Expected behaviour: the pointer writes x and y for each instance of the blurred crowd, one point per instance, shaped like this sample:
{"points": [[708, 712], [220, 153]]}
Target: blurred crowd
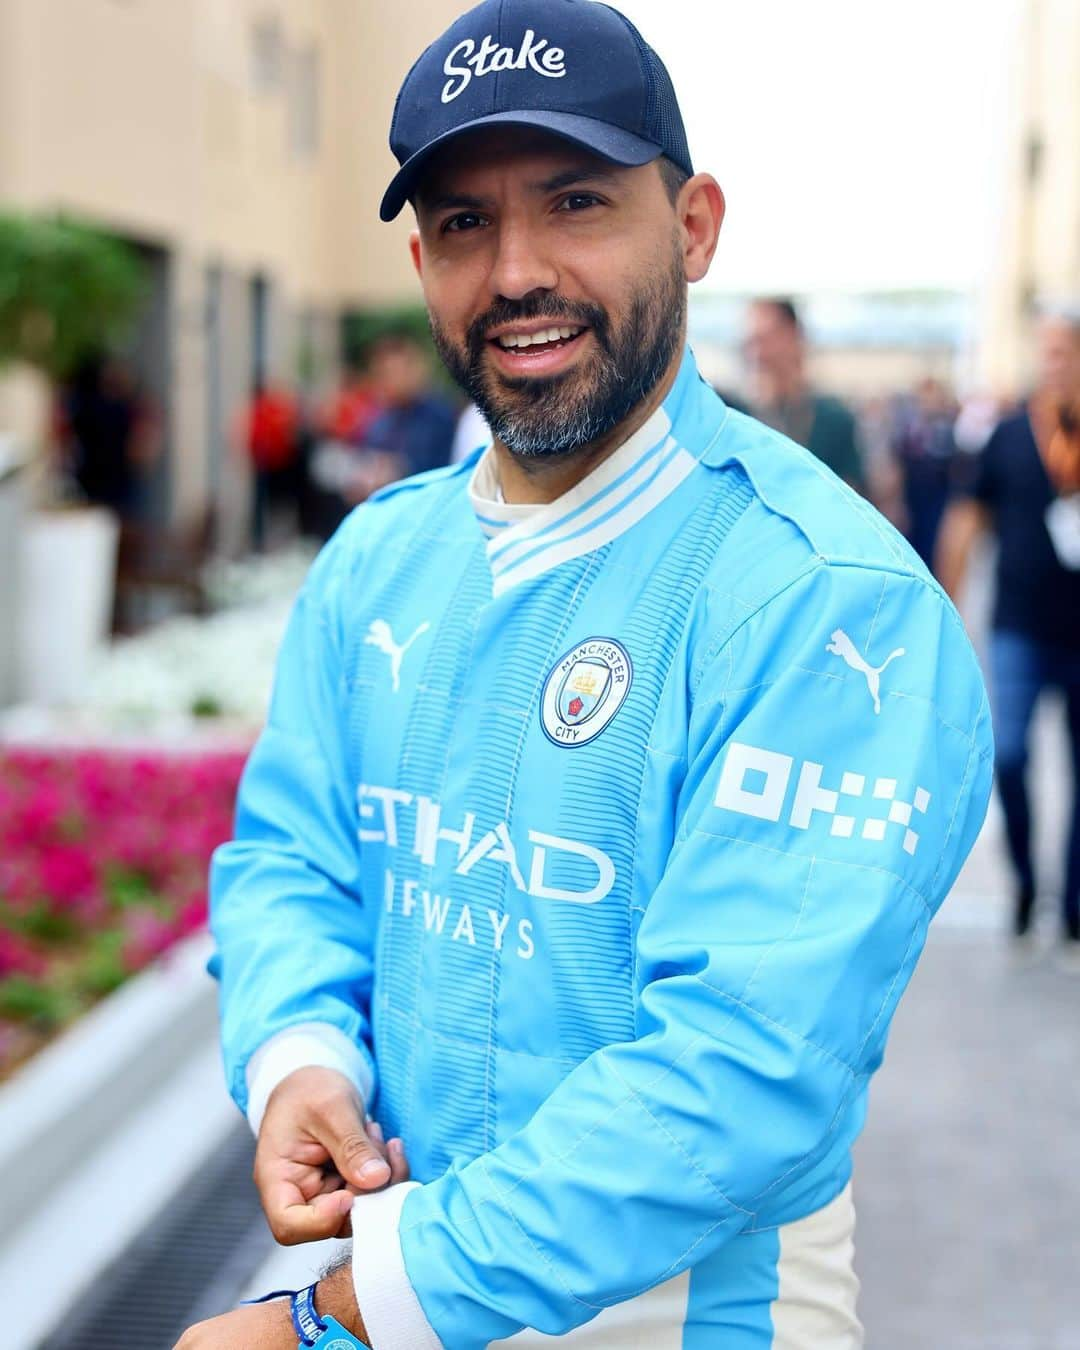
{"points": [[911, 454], [945, 473], [943, 470], [388, 419]]}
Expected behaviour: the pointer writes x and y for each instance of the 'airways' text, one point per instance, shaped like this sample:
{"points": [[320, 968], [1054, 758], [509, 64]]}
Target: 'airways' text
{"points": [[453, 921]]}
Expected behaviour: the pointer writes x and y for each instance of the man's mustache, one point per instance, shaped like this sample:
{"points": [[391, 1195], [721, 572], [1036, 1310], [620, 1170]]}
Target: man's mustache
{"points": [[553, 307]]}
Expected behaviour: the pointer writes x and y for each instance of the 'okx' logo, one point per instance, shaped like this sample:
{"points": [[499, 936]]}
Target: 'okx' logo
{"points": [[754, 782]]}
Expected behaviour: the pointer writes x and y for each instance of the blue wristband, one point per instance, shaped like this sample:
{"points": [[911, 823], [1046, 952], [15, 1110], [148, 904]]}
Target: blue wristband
{"points": [[309, 1325], [315, 1332]]}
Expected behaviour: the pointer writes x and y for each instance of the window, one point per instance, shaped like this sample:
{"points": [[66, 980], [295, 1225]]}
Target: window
{"points": [[267, 55], [304, 101], [1034, 156]]}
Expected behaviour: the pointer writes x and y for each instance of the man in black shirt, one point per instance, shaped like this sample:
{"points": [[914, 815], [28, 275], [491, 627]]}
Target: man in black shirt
{"points": [[1025, 486]]}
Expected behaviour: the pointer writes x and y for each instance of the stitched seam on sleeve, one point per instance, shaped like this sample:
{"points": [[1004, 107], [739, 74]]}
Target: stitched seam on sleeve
{"points": [[780, 1026], [815, 564], [820, 1147], [544, 1258], [681, 1259], [877, 613], [889, 992], [694, 1166], [587, 1134], [772, 947], [961, 796], [727, 636], [828, 862], [500, 1196], [665, 1274]]}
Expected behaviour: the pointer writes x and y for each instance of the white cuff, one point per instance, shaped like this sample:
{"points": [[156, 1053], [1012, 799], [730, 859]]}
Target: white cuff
{"points": [[384, 1294], [307, 1045]]}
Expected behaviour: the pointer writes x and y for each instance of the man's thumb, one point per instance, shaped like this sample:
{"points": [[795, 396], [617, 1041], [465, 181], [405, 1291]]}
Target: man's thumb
{"points": [[355, 1156]]}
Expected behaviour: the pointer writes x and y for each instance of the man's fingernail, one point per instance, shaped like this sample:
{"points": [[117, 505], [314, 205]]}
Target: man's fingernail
{"points": [[374, 1170], [374, 1129]]}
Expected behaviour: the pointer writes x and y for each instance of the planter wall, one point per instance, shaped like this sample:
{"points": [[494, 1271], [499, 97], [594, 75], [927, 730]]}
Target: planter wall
{"points": [[100, 1131], [68, 571], [12, 510]]}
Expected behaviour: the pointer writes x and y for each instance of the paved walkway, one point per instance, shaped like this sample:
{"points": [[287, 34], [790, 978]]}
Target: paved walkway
{"points": [[968, 1174]]}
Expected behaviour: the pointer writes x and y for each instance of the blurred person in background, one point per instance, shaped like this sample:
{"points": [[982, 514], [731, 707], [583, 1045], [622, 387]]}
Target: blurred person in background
{"points": [[774, 346], [109, 436], [270, 435], [351, 408], [334, 454], [923, 448], [1024, 487], [977, 419], [414, 431]]}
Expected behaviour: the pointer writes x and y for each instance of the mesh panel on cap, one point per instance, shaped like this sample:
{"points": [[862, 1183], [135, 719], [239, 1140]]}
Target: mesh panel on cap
{"points": [[669, 130], [662, 119]]}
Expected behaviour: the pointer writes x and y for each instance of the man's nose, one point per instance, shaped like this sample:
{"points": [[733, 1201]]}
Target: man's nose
{"points": [[521, 264]]}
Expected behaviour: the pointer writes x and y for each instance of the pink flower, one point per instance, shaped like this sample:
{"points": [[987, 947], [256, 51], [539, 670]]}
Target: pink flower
{"points": [[68, 818], [192, 916], [68, 874], [39, 815], [18, 957]]}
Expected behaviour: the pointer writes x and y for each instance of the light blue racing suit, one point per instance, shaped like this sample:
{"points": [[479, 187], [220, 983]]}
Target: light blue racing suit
{"points": [[597, 843]]}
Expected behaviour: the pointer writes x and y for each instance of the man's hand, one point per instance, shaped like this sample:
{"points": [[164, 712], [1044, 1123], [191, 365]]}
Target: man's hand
{"points": [[268, 1326], [315, 1154], [264, 1326]]}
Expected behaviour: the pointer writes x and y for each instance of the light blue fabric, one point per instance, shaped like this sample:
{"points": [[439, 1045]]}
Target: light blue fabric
{"points": [[625, 1006]]}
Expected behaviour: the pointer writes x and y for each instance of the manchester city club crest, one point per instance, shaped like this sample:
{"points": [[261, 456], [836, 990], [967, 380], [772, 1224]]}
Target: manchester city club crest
{"points": [[584, 690]]}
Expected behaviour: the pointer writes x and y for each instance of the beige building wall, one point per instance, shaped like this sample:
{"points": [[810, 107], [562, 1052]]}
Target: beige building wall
{"points": [[1039, 256], [243, 135]]}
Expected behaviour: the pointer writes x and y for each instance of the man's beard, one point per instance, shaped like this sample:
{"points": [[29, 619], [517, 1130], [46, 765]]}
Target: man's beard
{"points": [[562, 414]]}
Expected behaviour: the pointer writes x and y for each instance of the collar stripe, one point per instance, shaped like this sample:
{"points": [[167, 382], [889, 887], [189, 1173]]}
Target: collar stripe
{"points": [[523, 541], [604, 507], [667, 479], [491, 527], [609, 477]]}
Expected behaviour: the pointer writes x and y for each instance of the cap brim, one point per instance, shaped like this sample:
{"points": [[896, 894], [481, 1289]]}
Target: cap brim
{"points": [[610, 143]]}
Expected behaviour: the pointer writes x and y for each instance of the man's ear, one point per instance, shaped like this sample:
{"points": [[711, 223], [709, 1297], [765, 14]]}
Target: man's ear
{"points": [[414, 249], [700, 209]]}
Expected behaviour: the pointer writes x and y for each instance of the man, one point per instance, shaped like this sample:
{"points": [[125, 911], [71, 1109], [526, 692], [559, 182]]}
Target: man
{"points": [[415, 431], [1025, 486], [775, 350], [923, 450], [611, 781], [269, 432]]}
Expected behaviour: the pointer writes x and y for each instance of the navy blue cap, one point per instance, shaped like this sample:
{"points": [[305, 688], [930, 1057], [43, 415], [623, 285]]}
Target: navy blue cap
{"points": [[576, 68]]}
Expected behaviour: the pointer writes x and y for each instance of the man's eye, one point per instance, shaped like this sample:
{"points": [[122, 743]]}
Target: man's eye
{"points": [[467, 220], [578, 201]]}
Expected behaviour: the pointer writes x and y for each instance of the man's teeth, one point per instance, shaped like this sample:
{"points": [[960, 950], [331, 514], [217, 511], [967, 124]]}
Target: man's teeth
{"points": [[532, 339]]}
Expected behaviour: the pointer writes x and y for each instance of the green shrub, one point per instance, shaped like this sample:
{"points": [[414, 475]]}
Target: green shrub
{"points": [[66, 291]]}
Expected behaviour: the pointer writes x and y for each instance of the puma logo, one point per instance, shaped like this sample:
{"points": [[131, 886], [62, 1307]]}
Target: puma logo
{"points": [[842, 646], [380, 635]]}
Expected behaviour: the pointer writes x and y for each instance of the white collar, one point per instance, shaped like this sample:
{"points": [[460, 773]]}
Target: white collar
{"points": [[493, 511], [527, 540]]}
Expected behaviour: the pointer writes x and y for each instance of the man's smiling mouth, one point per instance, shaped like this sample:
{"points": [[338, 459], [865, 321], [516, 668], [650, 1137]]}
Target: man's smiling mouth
{"points": [[542, 340]]}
